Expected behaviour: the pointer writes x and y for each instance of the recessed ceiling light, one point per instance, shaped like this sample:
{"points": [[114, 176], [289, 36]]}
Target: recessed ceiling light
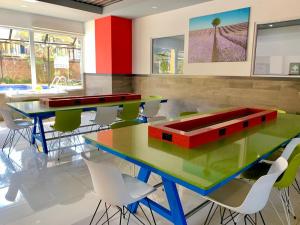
{"points": [[24, 6], [270, 25], [31, 1], [154, 7]]}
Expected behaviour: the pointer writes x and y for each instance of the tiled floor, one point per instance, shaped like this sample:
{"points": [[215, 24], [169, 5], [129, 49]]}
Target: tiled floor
{"points": [[37, 189]]}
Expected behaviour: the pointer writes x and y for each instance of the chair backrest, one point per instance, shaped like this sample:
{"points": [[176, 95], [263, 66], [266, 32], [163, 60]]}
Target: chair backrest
{"points": [[107, 181], [130, 111], [259, 193], [8, 118], [151, 108], [106, 115], [290, 147], [67, 120], [289, 175]]}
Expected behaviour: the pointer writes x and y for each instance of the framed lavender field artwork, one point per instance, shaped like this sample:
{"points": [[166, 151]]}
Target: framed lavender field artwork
{"points": [[220, 37]]}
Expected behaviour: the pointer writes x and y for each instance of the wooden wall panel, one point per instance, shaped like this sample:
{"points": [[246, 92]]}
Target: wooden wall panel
{"points": [[220, 91]]}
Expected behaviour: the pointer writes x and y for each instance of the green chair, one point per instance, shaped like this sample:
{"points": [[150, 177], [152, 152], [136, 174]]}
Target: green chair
{"points": [[67, 121], [128, 115], [130, 111]]}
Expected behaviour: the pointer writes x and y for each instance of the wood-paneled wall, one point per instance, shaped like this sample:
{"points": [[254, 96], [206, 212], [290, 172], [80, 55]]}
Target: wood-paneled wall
{"points": [[205, 91]]}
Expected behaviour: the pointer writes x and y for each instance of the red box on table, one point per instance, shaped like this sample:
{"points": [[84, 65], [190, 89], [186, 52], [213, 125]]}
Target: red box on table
{"points": [[201, 129], [88, 100]]}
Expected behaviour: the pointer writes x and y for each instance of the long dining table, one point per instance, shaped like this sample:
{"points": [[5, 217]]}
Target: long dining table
{"points": [[203, 169], [39, 112]]}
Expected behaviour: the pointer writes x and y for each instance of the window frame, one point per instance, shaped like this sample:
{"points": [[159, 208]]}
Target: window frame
{"points": [[31, 41], [254, 48], [151, 53]]}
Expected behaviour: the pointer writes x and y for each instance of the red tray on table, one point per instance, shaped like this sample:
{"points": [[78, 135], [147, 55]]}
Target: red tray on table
{"points": [[194, 131], [88, 100]]}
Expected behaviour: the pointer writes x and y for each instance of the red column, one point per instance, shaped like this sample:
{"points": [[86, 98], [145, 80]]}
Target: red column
{"points": [[113, 45]]}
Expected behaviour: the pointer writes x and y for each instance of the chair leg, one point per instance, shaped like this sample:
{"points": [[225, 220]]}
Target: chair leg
{"points": [[232, 217], [151, 211], [95, 212], [128, 217], [12, 141], [121, 215], [292, 211], [262, 218], [6, 141], [106, 212], [248, 218], [134, 216], [60, 151], [209, 212]]}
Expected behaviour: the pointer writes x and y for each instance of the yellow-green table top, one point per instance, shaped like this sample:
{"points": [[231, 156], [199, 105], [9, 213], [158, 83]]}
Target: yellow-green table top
{"points": [[35, 107], [207, 165]]}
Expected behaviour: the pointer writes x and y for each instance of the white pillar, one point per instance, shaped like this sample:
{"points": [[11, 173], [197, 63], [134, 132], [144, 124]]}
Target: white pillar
{"points": [[32, 59]]}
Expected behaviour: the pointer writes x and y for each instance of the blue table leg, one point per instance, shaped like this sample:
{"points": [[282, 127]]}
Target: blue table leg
{"points": [[42, 135], [143, 175], [177, 214], [34, 130]]}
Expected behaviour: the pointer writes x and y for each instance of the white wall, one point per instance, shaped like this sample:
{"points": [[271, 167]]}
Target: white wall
{"points": [[89, 54], [176, 22], [32, 21]]}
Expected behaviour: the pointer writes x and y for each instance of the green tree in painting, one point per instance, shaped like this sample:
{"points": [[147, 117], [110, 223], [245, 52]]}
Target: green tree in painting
{"points": [[216, 22]]}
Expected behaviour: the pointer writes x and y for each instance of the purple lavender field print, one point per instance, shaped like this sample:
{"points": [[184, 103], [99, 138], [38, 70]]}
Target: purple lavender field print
{"points": [[220, 37]]}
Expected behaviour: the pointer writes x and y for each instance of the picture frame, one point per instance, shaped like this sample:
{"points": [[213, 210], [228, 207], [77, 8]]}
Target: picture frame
{"points": [[294, 68]]}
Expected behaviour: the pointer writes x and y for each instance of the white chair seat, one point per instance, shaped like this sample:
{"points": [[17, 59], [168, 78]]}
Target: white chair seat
{"points": [[23, 123], [137, 189], [232, 194]]}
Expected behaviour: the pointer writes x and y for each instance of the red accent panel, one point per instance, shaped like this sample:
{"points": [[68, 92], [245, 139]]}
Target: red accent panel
{"points": [[197, 130], [103, 45], [113, 45], [122, 46]]}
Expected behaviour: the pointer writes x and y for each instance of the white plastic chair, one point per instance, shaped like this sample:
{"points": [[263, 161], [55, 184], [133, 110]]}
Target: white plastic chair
{"points": [[17, 129], [241, 197], [116, 189], [284, 193], [290, 147], [105, 116], [150, 111]]}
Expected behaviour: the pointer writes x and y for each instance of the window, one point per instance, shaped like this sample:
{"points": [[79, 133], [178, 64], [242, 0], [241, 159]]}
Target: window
{"points": [[168, 55], [14, 56], [278, 49], [57, 57]]}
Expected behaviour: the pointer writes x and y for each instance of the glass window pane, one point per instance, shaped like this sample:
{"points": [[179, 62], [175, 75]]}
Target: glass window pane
{"points": [[278, 49], [61, 39], [15, 59], [58, 59], [168, 55], [20, 35], [39, 37], [4, 33]]}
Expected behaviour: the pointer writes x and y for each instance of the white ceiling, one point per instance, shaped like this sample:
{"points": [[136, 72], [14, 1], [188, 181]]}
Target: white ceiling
{"points": [[125, 8]]}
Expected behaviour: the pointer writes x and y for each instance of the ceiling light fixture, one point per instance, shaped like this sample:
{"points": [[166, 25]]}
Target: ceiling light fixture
{"points": [[30, 1], [270, 25], [154, 7], [24, 6]]}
